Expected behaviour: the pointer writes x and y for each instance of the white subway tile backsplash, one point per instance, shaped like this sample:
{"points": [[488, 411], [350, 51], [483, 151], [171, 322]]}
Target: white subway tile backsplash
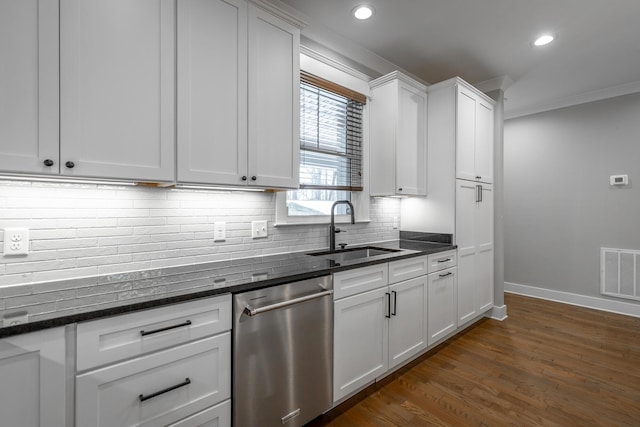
{"points": [[80, 230]]}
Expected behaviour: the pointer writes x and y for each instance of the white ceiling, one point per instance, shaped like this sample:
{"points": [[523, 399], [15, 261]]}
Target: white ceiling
{"points": [[596, 53]]}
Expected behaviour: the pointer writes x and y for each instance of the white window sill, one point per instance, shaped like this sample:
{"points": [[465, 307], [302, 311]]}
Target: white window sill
{"points": [[318, 222]]}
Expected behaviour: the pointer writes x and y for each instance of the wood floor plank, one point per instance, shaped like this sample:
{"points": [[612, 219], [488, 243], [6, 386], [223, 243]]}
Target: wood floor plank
{"points": [[547, 364]]}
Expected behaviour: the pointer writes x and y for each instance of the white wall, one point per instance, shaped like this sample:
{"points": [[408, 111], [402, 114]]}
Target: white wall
{"points": [[559, 207], [80, 230]]}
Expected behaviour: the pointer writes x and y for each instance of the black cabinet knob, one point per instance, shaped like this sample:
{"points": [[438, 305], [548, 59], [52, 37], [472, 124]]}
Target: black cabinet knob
{"points": [[70, 165], [478, 177], [254, 178], [244, 178], [48, 162], [400, 189]]}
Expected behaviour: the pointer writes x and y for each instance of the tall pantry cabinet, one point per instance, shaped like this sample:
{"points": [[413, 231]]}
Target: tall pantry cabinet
{"points": [[460, 168]]}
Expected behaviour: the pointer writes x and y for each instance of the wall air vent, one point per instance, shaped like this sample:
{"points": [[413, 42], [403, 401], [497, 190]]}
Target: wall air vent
{"points": [[619, 273]]}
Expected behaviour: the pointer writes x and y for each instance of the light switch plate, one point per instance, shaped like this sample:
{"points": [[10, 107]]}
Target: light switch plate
{"points": [[258, 229], [219, 231], [16, 241]]}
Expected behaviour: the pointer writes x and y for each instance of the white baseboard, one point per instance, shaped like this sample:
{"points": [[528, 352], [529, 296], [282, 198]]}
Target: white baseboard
{"points": [[596, 303], [497, 313]]}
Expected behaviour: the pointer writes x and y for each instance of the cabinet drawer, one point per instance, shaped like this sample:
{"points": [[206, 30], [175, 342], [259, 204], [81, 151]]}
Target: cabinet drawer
{"points": [[216, 416], [406, 269], [442, 260], [157, 389], [105, 341], [351, 282]]}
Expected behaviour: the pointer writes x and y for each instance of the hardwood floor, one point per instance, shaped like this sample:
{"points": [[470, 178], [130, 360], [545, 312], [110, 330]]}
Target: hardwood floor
{"points": [[548, 364]]}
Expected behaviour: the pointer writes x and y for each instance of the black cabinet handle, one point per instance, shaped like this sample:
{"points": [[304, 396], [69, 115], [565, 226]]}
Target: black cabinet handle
{"points": [[244, 178], [395, 302], [70, 165], [400, 189], [388, 315], [254, 178], [446, 274], [444, 260], [155, 331], [142, 397], [478, 177], [48, 162]]}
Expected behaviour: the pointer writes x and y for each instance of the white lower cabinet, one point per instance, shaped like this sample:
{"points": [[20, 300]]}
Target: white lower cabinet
{"points": [[158, 389], [360, 341], [442, 304], [173, 367], [408, 321], [379, 329], [32, 380]]}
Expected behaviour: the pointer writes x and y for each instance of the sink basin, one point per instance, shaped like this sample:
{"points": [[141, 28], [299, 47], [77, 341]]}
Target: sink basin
{"points": [[355, 253]]}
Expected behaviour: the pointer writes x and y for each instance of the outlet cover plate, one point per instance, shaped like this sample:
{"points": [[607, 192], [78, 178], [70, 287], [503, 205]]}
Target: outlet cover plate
{"points": [[16, 241], [259, 229], [219, 231]]}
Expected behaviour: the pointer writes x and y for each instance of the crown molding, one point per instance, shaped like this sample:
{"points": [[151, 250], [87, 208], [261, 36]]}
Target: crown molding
{"points": [[569, 101]]}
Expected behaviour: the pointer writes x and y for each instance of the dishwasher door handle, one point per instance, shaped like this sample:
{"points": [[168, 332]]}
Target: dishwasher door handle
{"points": [[250, 311]]}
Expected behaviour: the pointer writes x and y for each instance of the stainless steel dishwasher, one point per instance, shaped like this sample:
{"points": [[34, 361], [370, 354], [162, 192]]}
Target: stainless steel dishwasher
{"points": [[283, 354]]}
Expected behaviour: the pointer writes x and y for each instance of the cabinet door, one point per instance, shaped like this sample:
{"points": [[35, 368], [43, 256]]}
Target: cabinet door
{"points": [[442, 304], [33, 389], [29, 86], [408, 323], [274, 101], [117, 79], [157, 389], [411, 143], [212, 91], [484, 141], [466, 196], [484, 249], [360, 341], [465, 134]]}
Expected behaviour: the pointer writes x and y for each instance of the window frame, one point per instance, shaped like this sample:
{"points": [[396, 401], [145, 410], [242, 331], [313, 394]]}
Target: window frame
{"points": [[330, 70]]}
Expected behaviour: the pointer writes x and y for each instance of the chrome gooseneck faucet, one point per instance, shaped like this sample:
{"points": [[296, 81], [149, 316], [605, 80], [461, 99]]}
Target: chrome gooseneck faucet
{"points": [[332, 228]]}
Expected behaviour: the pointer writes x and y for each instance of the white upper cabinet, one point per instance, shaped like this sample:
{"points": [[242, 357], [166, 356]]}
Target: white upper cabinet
{"points": [[474, 130], [238, 95], [274, 100], [212, 91], [398, 136], [29, 86], [117, 89]]}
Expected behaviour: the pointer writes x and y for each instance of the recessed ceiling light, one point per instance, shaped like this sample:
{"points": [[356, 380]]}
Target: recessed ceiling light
{"points": [[543, 40], [363, 12]]}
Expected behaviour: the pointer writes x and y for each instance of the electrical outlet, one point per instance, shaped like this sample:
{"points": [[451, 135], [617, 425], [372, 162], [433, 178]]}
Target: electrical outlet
{"points": [[16, 241], [15, 319], [258, 229], [219, 231], [395, 222]]}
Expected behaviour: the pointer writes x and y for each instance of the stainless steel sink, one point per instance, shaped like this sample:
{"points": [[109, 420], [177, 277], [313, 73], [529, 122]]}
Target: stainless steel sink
{"points": [[355, 253]]}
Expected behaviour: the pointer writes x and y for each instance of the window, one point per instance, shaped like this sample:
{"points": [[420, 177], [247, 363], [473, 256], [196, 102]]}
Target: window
{"points": [[331, 137]]}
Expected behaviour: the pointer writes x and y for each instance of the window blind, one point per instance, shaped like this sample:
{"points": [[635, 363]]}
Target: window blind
{"points": [[330, 136]]}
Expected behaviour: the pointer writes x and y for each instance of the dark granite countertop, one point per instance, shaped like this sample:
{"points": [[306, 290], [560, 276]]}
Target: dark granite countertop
{"points": [[78, 300]]}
